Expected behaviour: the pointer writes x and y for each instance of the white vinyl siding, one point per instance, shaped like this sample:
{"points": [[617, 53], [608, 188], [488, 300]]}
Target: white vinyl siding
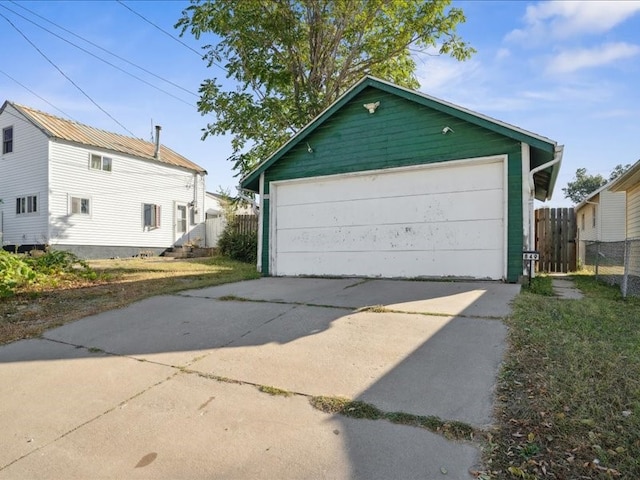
{"points": [[117, 199], [633, 226], [23, 173], [633, 209]]}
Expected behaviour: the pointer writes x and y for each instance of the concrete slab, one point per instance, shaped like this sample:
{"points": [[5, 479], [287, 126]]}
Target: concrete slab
{"points": [[280, 289], [474, 299], [566, 289], [190, 427], [49, 389], [426, 365], [172, 330]]}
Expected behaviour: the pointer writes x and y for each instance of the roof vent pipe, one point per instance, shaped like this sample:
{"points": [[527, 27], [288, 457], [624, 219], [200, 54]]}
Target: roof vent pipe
{"points": [[156, 153]]}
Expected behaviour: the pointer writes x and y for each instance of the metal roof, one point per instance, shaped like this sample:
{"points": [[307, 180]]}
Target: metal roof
{"points": [[70, 131]]}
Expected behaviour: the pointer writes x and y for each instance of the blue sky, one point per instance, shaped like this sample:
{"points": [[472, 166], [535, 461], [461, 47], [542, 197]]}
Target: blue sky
{"points": [[567, 70]]}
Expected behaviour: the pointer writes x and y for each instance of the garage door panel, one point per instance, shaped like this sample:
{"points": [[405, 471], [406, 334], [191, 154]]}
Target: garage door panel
{"points": [[423, 222], [478, 205], [392, 184], [463, 264], [469, 235]]}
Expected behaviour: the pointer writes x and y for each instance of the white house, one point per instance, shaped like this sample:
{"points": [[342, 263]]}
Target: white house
{"points": [[95, 193], [601, 217], [629, 183]]}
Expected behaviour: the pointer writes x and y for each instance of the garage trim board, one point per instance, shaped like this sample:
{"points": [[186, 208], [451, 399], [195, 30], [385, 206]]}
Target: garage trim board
{"points": [[434, 220]]}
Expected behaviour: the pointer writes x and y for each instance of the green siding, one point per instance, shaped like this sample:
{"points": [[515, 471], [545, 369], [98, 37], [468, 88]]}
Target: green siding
{"points": [[400, 133]]}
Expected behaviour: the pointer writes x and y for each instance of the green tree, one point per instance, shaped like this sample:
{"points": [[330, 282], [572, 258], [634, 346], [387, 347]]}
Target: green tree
{"points": [[585, 184], [290, 59]]}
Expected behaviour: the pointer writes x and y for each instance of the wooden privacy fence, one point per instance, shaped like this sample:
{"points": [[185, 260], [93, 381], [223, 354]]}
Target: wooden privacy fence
{"points": [[245, 223], [556, 239]]}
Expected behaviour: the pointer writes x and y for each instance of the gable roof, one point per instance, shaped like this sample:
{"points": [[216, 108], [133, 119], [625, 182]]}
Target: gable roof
{"points": [[70, 131], [628, 179], [544, 145]]}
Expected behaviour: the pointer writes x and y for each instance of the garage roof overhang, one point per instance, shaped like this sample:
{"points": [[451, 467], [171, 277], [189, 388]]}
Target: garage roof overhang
{"points": [[543, 150]]}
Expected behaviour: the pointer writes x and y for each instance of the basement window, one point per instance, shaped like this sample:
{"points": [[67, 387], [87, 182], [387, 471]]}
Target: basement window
{"points": [[98, 162], [151, 215]]}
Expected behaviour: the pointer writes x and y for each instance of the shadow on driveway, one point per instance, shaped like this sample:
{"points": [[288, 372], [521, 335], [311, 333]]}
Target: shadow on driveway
{"points": [[300, 335]]}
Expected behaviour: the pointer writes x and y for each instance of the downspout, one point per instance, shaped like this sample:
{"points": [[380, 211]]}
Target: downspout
{"points": [[557, 158]]}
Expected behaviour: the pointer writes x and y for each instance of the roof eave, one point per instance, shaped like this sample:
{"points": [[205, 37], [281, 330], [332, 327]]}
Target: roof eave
{"points": [[628, 179]]}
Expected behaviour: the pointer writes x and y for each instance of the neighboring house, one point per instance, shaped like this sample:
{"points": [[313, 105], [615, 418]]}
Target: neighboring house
{"points": [[390, 182], [629, 182], [98, 194], [601, 217]]}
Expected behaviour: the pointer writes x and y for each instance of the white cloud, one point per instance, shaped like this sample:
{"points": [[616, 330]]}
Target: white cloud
{"points": [[503, 53], [572, 60], [563, 19]]}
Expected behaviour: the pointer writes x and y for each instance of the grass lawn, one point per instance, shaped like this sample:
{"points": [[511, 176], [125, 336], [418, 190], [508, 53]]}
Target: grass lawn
{"points": [[569, 391], [120, 282]]}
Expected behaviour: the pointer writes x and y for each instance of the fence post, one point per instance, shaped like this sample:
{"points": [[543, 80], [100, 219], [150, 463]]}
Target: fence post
{"points": [[597, 258], [625, 276]]}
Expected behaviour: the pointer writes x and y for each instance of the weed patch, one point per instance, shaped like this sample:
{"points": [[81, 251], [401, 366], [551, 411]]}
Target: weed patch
{"points": [[274, 391], [357, 409]]}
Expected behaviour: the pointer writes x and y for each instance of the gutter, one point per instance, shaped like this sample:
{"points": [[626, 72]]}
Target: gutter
{"points": [[557, 158]]}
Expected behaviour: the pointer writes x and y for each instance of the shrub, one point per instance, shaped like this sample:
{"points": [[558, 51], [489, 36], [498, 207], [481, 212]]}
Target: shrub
{"points": [[18, 271], [60, 262], [15, 272], [238, 246]]}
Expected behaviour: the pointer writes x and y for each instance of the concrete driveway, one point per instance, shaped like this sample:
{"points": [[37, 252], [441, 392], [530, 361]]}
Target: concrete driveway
{"points": [[139, 392]]}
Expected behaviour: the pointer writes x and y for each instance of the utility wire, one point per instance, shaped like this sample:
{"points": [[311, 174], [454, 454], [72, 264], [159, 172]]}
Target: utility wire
{"points": [[100, 48], [67, 77], [99, 58], [159, 28], [34, 93]]}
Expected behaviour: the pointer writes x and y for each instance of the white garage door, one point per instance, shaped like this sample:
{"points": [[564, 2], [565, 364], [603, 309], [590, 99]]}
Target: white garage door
{"points": [[432, 221]]}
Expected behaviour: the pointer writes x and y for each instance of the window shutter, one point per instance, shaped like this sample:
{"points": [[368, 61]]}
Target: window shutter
{"points": [[157, 208]]}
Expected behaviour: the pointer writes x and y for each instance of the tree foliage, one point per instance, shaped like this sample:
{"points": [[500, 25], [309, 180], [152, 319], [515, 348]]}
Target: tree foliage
{"points": [[585, 184], [290, 59]]}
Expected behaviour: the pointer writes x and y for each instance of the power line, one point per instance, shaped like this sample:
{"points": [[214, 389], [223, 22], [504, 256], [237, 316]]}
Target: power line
{"points": [[67, 77], [101, 59], [34, 93], [159, 28], [100, 48]]}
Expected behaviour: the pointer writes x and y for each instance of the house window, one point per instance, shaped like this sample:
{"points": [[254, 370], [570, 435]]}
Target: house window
{"points": [[80, 205], [593, 211], [98, 162], [151, 215], [7, 140], [28, 204]]}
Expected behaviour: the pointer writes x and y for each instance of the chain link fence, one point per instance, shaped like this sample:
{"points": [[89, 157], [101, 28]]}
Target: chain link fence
{"points": [[616, 263]]}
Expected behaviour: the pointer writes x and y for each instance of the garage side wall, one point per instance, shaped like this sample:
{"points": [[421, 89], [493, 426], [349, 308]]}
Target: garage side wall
{"points": [[400, 133]]}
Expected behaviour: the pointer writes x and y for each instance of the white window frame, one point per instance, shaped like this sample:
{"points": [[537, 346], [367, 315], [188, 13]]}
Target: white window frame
{"points": [[5, 142], [78, 199], [25, 205], [106, 163], [155, 215]]}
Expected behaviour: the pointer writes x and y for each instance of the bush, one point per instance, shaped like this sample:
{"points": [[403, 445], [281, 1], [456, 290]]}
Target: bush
{"points": [[60, 262], [15, 272], [18, 271], [238, 246]]}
